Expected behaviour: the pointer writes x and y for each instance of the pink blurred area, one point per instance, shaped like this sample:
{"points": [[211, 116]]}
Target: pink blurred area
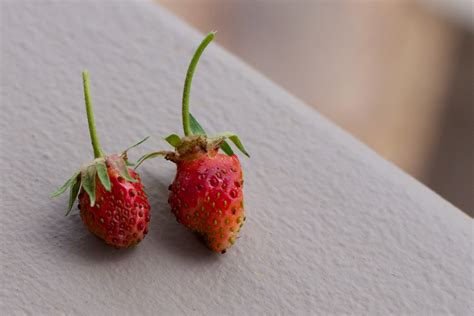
{"points": [[398, 75]]}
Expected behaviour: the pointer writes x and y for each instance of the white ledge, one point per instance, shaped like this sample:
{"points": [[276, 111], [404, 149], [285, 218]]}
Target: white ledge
{"points": [[332, 228]]}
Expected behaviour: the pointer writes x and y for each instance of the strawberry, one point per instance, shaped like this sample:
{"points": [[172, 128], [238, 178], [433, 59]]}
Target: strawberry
{"points": [[206, 195], [112, 202]]}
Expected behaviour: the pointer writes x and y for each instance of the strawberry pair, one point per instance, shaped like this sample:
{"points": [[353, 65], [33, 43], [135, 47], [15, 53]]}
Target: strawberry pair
{"points": [[206, 195]]}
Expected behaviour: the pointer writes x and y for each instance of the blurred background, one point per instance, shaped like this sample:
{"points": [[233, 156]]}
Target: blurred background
{"points": [[398, 75]]}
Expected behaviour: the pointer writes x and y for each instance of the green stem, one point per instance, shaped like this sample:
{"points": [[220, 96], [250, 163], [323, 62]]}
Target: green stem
{"points": [[90, 116], [189, 79]]}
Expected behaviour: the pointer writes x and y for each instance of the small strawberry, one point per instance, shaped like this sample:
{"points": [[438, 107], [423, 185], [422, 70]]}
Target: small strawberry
{"points": [[206, 195], [112, 203]]}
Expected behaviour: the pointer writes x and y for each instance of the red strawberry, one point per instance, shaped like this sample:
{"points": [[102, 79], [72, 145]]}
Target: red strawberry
{"points": [[112, 202], [119, 216], [206, 195]]}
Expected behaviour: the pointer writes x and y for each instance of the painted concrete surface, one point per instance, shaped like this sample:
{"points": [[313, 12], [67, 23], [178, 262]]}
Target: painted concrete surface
{"points": [[331, 227]]}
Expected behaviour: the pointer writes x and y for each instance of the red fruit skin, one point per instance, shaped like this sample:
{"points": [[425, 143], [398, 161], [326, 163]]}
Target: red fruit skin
{"points": [[119, 217], [206, 196]]}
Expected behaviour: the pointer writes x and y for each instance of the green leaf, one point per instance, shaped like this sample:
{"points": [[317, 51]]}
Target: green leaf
{"points": [[66, 185], [73, 195], [227, 149], [129, 164], [196, 128], [174, 140], [103, 175], [235, 139], [149, 156], [88, 182], [122, 168], [136, 144]]}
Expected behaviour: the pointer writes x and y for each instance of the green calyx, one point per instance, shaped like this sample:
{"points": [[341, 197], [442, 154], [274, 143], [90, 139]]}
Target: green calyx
{"points": [[190, 125], [190, 147], [211, 142], [86, 177]]}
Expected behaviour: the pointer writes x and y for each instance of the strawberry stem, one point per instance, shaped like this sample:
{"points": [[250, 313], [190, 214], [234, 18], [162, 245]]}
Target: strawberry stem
{"points": [[90, 116], [189, 79]]}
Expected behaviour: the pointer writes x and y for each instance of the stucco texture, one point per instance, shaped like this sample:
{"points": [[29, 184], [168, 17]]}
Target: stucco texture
{"points": [[331, 227]]}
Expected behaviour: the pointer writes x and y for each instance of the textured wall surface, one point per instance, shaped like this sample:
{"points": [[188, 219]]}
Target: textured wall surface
{"points": [[331, 227]]}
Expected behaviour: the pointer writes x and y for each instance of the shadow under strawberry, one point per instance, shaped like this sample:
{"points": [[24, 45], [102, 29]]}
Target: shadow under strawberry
{"points": [[170, 238], [77, 244]]}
